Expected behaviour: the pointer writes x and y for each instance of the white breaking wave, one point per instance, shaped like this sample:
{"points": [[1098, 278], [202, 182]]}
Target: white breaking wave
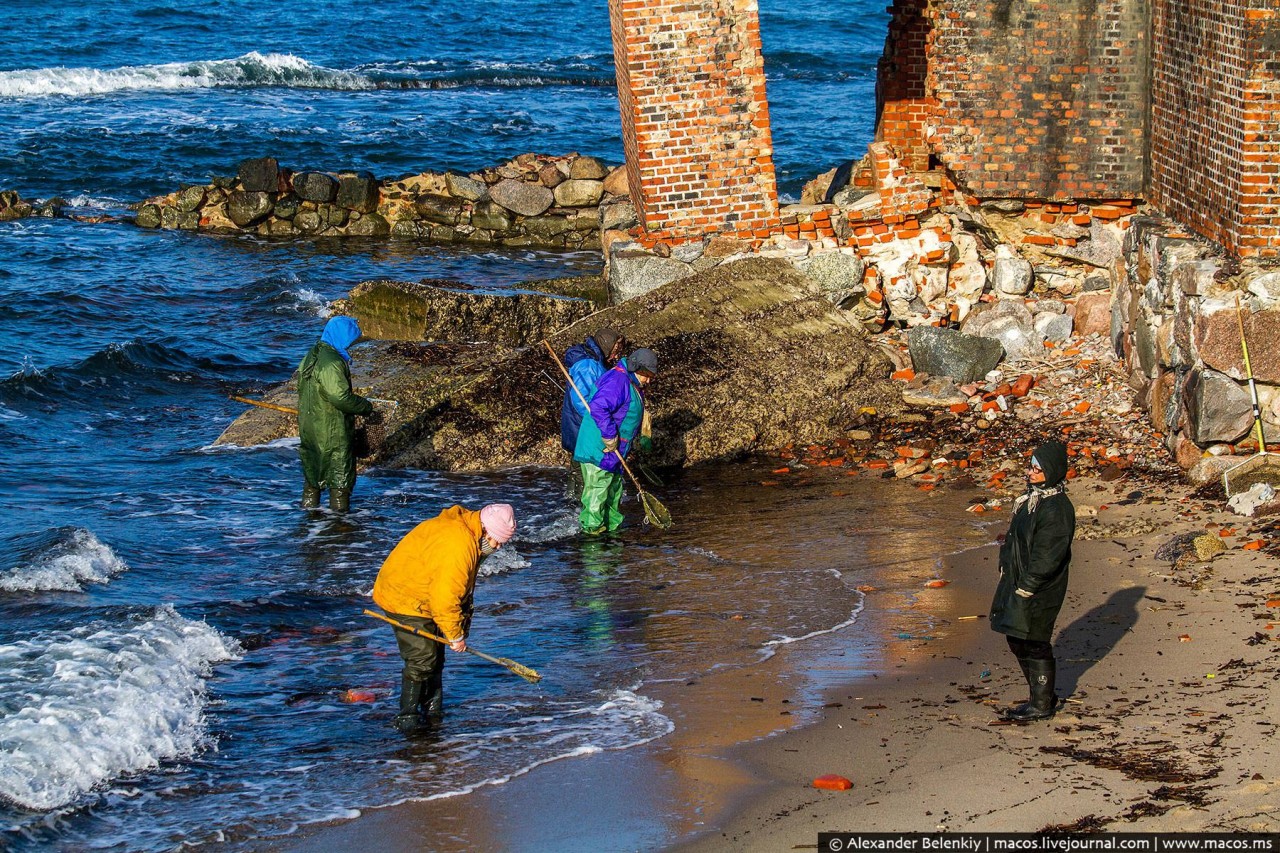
{"points": [[256, 70], [86, 706], [75, 559]]}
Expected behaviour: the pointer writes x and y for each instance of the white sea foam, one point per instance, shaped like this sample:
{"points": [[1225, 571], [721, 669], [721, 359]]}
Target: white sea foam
{"points": [[286, 443], [311, 301], [75, 557], [625, 719], [86, 706], [564, 526], [770, 647], [503, 560], [275, 70]]}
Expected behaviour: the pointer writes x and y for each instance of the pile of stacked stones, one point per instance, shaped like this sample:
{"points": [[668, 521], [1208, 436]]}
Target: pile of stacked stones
{"points": [[533, 200], [1175, 319], [14, 206]]}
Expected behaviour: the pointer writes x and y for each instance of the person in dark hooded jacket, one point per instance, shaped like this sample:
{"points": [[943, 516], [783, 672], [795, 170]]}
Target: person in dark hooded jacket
{"points": [[586, 363], [326, 416], [1034, 560]]}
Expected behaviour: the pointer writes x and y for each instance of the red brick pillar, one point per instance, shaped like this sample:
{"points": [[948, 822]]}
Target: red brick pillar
{"points": [[695, 119], [902, 101]]}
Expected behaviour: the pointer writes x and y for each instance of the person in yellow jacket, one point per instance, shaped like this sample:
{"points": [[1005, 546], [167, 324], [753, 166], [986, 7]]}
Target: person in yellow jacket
{"points": [[427, 583]]}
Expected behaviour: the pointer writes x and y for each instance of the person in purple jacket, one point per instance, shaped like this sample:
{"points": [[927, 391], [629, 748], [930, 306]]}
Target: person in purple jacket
{"points": [[617, 411], [586, 363]]}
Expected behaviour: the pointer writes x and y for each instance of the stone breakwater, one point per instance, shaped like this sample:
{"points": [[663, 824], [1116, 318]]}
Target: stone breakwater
{"points": [[14, 207], [559, 202]]}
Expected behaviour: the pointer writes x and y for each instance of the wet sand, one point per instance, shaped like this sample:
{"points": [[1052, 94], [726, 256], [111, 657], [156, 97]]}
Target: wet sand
{"points": [[1160, 732], [1168, 726], [686, 783]]}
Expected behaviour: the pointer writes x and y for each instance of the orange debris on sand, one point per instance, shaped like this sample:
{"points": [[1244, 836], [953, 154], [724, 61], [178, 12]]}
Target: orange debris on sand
{"points": [[938, 584], [832, 782]]}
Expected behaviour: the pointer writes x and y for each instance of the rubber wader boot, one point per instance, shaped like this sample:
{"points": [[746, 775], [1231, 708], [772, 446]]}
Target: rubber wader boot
{"points": [[339, 500], [310, 497], [1022, 708], [408, 720], [1041, 675], [433, 698]]}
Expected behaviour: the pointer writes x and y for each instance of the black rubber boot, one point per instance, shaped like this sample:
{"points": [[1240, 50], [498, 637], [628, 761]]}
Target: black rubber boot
{"points": [[433, 698], [339, 500], [1022, 708], [1041, 675], [1007, 713], [409, 720], [310, 497]]}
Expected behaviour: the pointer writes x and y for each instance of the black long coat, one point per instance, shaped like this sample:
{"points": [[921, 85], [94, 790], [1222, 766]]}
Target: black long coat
{"points": [[1035, 556]]}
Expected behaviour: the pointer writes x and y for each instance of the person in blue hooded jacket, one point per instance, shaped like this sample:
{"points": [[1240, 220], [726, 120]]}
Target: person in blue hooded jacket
{"points": [[617, 413], [586, 363], [327, 408]]}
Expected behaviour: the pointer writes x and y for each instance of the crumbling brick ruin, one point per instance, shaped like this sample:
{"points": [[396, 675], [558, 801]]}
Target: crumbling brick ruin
{"points": [[695, 119], [1175, 102], [1172, 101], [1083, 162]]}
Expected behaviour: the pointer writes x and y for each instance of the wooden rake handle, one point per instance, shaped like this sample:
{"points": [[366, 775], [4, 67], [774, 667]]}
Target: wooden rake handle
{"points": [[521, 670], [262, 405]]}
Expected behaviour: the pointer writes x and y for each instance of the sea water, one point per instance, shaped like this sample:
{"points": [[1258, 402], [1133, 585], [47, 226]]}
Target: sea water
{"points": [[176, 638]]}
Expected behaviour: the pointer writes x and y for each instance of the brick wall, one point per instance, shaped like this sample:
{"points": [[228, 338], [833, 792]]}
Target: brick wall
{"points": [[903, 106], [695, 118], [1027, 98], [1215, 119]]}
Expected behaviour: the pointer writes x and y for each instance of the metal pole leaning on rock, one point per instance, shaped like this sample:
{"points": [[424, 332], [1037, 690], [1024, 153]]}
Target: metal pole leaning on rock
{"points": [[654, 512], [1262, 466]]}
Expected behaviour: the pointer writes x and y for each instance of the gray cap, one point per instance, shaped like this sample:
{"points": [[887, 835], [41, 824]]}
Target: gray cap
{"points": [[643, 360], [606, 338]]}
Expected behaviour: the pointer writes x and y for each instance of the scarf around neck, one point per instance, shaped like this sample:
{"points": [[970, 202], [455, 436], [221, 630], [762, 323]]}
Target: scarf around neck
{"points": [[1034, 494]]}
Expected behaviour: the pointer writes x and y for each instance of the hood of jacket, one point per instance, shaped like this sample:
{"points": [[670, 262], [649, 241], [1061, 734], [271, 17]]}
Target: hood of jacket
{"points": [[340, 333], [1052, 457]]}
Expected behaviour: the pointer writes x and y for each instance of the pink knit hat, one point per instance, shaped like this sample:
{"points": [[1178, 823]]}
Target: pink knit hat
{"points": [[499, 521]]}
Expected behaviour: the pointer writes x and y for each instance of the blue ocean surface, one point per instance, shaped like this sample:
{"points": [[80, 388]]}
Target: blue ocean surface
{"points": [[177, 639]]}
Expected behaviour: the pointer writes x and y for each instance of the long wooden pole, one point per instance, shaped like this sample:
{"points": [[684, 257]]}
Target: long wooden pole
{"points": [[527, 673], [262, 405], [1253, 388]]}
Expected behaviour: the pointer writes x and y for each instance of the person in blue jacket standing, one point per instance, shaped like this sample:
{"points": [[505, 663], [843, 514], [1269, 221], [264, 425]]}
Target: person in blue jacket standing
{"points": [[586, 363], [617, 411]]}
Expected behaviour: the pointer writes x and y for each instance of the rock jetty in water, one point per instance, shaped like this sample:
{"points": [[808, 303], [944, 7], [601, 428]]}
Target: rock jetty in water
{"points": [[534, 200], [752, 356]]}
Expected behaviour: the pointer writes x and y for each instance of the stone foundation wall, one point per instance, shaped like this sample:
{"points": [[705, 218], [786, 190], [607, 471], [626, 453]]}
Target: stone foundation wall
{"points": [[533, 200], [1173, 319]]}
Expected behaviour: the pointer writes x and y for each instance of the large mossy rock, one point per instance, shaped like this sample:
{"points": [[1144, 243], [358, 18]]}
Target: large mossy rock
{"points": [[445, 310], [751, 357]]}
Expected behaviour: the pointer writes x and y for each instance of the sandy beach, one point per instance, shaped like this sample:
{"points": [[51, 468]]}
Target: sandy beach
{"points": [[1168, 723], [1165, 667]]}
